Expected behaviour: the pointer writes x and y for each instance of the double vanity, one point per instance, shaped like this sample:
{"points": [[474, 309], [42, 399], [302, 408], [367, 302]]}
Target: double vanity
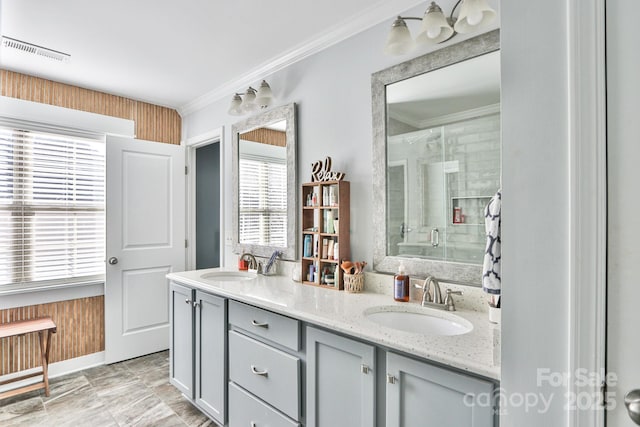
{"points": [[253, 350]]}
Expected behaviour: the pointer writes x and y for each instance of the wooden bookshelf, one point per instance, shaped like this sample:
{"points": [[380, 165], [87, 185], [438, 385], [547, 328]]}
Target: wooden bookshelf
{"points": [[319, 223]]}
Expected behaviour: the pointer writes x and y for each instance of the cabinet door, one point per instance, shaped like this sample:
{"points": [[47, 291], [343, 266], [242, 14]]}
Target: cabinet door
{"points": [[211, 348], [340, 381], [181, 342], [423, 395]]}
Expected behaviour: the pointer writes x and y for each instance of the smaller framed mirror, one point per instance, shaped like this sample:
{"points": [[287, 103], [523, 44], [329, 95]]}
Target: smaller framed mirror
{"points": [[265, 183]]}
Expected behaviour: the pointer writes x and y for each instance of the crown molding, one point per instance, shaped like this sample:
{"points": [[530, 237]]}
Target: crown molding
{"points": [[447, 118], [374, 15]]}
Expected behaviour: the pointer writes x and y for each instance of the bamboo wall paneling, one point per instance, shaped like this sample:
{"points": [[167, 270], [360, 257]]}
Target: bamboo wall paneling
{"points": [[80, 325], [153, 122], [266, 136]]}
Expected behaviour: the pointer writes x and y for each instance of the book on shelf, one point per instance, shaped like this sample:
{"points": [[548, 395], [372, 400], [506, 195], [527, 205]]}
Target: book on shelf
{"points": [[325, 248], [330, 249]]}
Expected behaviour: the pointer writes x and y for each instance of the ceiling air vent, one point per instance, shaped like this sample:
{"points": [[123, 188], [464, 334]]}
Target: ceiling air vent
{"points": [[35, 49]]}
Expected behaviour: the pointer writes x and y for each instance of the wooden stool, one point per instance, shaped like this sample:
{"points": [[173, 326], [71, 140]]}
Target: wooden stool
{"points": [[42, 325]]}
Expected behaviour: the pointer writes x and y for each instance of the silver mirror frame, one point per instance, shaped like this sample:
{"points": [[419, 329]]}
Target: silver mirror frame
{"points": [[288, 113], [468, 274]]}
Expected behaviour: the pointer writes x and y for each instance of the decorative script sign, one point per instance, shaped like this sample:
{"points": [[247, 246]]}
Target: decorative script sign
{"points": [[322, 172]]}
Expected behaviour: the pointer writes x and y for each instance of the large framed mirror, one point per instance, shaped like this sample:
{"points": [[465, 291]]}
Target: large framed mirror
{"points": [[265, 183], [436, 159]]}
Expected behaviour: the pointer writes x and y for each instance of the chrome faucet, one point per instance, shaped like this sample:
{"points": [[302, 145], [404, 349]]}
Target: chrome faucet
{"points": [[258, 266], [270, 266], [253, 263], [436, 301], [448, 300], [429, 282]]}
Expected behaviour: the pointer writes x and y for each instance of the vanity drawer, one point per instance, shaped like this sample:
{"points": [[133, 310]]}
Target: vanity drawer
{"points": [[279, 329], [246, 410], [270, 374]]}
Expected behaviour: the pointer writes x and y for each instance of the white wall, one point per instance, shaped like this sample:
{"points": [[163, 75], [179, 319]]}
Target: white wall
{"points": [[332, 89], [333, 93], [535, 226]]}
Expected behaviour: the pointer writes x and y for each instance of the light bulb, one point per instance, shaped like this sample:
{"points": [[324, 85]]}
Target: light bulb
{"points": [[433, 32], [475, 18], [474, 14], [264, 95], [435, 28], [249, 102], [399, 40], [235, 106]]}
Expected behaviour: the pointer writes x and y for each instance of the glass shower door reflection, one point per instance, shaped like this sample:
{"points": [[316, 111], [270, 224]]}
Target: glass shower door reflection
{"points": [[397, 209]]}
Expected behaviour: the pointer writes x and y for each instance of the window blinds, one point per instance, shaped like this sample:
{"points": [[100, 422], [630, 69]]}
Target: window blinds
{"points": [[52, 198], [263, 201]]}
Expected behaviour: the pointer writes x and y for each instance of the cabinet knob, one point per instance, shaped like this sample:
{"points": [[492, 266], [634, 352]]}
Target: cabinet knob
{"points": [[391, 379], [260, 324], [113, 260], [632, 402], [364, 369], [255, 371], [253, 424], [188, 301]]}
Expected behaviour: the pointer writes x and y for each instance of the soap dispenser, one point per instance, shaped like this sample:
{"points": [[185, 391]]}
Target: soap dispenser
{"points": [[401, 285]]}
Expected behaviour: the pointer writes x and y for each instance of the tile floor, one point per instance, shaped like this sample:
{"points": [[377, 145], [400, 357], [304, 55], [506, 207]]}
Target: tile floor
{"points": [[135, 392]]}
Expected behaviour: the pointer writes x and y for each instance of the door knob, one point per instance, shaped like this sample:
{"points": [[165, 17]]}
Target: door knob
{"points": [[113, 260], [632, 402]]}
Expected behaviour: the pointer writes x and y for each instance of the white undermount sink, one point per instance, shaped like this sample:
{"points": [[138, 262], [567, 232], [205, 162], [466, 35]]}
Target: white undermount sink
{"points": [[228, 276], [418, 320]]}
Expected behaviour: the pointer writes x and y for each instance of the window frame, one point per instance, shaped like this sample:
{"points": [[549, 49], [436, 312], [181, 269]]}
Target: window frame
{"points": [[264, 162], [30, 208]]}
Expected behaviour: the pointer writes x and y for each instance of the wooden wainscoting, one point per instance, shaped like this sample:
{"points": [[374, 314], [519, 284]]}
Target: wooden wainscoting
{"points": [[153, 122], [266, 136], [80, 332]]}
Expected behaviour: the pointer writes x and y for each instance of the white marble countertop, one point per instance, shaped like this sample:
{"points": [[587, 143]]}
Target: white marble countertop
{"points": [[343, 312]]}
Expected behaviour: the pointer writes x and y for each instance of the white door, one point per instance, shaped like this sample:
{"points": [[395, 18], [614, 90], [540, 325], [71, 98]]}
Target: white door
{"points": [[623, 147], [145, 241]]}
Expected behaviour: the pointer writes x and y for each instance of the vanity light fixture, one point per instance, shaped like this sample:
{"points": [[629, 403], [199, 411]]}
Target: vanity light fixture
{"points": [[252, 101], [436, 28]]}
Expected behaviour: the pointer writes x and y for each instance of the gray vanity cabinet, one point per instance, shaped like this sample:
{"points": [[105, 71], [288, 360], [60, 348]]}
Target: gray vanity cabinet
{"points": [[422, 395], [181, 340], [264, 368], [210, 352], [340, 381], [198, 348], [227, 352]]}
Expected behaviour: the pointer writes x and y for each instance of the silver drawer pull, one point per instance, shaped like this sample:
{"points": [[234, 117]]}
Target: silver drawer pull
{"points": [[259, 324], [364, 369], [391, 379], [253, 424], [255, 371]]}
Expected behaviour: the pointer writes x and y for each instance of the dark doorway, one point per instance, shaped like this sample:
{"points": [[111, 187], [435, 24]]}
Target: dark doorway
{"points": [[208, 206]]}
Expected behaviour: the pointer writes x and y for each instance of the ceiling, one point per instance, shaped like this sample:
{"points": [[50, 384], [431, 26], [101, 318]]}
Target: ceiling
{"points": [[463, 86], [175, 53]]}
